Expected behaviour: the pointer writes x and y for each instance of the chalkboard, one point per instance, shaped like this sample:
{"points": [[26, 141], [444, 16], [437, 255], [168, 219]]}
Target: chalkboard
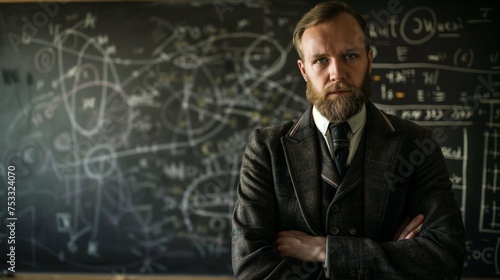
{"points": [[123, 124]]}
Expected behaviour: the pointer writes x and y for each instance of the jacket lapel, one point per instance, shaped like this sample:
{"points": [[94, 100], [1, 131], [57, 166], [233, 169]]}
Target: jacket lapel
{"points": [[383, 144], [382, 147], [301, 153]]}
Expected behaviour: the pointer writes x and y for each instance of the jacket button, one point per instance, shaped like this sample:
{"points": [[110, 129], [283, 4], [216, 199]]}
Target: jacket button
{"points": [[335, 208], [353, 231], [334, 230]]}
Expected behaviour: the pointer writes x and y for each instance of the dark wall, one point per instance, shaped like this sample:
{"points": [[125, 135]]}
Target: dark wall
{"points": [[125, 122]]}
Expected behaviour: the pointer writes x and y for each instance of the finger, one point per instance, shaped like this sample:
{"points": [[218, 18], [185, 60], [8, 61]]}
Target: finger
{"points": [[412, 227], [284, 237], [414, 233], [398, 234], [292, 234], [416, 223], [285, 244]]}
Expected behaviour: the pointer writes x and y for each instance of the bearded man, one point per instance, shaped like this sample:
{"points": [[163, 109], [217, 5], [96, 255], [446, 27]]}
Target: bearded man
{"points": [[346, 191]]}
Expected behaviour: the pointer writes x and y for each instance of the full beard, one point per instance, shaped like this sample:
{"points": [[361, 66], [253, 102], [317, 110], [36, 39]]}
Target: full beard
{"points": [[340, 108]]}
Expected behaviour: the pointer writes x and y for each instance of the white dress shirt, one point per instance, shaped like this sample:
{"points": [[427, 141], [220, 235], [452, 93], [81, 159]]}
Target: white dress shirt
{"points": [[356, 122]]}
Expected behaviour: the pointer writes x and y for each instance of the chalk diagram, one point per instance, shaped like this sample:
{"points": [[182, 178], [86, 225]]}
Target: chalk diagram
{"points": [[489, 220], [457, 113], [146, 151], [119, 143]]}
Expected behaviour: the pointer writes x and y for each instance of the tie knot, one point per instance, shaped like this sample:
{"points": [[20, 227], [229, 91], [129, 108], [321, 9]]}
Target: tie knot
{"points": [[339, 131]]}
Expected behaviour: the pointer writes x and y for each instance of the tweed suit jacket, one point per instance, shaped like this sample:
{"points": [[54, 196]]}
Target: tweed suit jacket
{"points": [[404, 174]]}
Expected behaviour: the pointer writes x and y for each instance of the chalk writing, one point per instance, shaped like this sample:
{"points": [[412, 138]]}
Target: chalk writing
{"points": [[127, 129]]}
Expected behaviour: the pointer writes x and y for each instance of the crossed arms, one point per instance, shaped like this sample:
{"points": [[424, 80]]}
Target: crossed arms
{"points": [[263, 247]]}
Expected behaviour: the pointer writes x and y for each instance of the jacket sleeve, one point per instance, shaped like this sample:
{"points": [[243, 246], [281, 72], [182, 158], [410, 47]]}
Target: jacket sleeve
{"points": [[437, 253], [255, 221]]}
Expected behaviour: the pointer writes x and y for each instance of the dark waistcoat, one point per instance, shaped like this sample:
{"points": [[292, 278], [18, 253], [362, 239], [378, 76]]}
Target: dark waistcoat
{"points": [[340, 215]]}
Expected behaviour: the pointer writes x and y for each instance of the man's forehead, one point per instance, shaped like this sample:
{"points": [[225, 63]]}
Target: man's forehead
{"points": [[342, 32], [318, 41]]}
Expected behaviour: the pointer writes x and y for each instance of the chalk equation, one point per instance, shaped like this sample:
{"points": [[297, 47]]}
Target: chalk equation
{"points": [[489, 220], [127, 130], [139, 144]]}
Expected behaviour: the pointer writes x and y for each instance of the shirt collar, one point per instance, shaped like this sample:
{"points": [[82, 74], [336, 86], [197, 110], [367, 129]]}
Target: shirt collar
{"points": [[356, 122]]}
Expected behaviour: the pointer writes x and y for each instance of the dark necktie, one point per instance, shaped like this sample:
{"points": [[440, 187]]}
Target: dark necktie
{"points": [[340, 146]]}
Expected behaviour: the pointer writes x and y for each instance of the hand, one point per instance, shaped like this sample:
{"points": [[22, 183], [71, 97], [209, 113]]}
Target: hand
{"points": [[300, 245], [409, 230]]}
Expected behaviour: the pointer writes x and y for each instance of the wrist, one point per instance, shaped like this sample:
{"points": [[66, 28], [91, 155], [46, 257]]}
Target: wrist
{"points": [[321, 256]]}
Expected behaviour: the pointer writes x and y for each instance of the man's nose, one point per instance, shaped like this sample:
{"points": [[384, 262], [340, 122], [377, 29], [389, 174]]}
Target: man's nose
{"points": [[337, 71]]}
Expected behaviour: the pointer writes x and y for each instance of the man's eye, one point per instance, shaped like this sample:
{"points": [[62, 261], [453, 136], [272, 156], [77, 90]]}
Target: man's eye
{"points": [[351, 56], [320, 60]]}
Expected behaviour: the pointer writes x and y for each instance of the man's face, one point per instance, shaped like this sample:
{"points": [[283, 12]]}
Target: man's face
{"points": [[336, 67]]}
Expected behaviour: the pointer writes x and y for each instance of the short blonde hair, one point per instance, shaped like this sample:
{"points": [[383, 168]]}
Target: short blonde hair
{"points": [[323, 12]]}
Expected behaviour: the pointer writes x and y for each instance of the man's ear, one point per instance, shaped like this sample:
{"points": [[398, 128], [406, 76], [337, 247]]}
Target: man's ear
{"points": [[302, 69]]}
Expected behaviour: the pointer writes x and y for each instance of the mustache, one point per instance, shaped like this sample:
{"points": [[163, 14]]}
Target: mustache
{"points": [[339, 86]]}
